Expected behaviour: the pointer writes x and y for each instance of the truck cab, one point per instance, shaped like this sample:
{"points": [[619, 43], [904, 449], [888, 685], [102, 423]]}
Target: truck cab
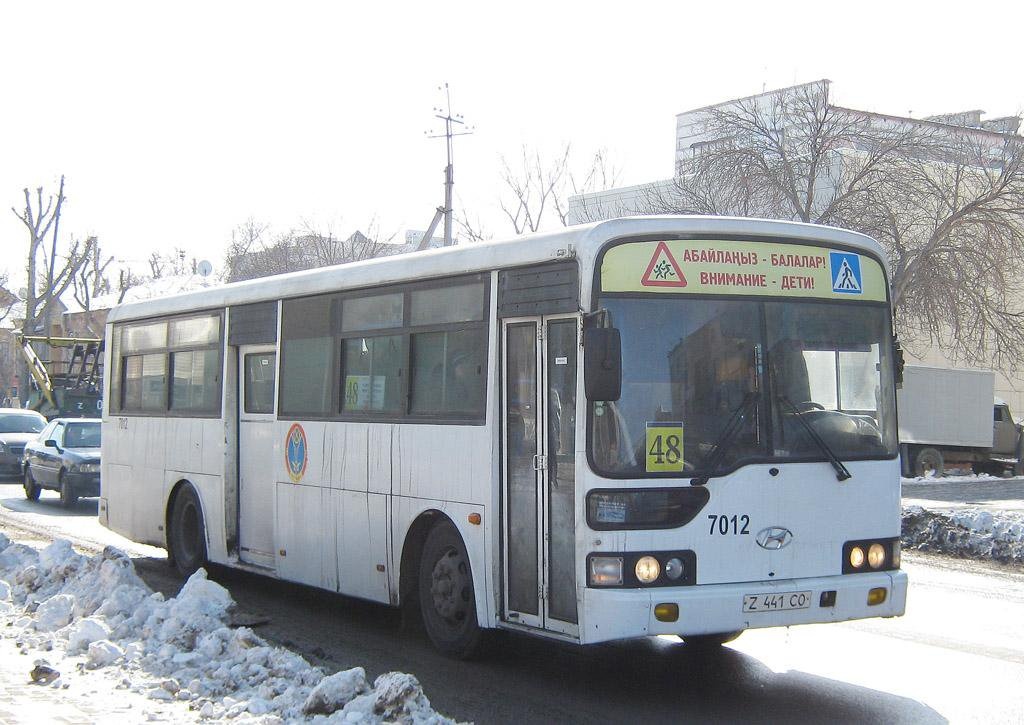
{"points": [[1005, 431]]}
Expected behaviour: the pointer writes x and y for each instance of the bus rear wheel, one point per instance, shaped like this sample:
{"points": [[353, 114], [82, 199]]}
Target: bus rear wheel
{"points": [[446, 595], [187, 545], [711, 640]]}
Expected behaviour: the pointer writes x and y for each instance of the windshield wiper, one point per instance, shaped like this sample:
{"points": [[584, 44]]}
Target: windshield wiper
{"points": [[842, 473], [732, 427]]}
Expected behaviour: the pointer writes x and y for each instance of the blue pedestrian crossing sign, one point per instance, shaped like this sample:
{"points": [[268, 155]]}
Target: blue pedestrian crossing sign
{"points": [[846, 277]]}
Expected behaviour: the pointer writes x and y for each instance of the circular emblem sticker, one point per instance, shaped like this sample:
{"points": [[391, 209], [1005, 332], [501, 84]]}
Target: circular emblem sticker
{"points": [[295, 453]]}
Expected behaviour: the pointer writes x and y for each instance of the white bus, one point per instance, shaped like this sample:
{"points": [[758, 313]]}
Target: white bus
{"points": [[660, 425]]}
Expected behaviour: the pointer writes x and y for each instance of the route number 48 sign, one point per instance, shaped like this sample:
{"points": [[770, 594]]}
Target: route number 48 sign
{"points": [[664, 447]]}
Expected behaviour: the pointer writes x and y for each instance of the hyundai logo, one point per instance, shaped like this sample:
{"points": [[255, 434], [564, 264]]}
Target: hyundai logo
{"points": [[774, 538]]}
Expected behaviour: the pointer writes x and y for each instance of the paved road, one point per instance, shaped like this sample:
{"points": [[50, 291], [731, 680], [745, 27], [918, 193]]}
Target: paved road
{"points": [[957, 656], [1002, 495]]}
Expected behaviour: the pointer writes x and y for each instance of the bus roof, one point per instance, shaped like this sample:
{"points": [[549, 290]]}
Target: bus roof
{"points": [[584, 241]]}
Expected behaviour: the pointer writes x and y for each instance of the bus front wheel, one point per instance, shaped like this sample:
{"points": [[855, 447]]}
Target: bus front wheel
{"points": [[447, 601], [187, 545], [711, 640]]}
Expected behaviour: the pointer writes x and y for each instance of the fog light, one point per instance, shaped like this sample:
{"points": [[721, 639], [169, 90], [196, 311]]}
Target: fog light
{"points": [[856, 557], [876, 596], [647, 569], [666, 612], [876, 556], [673, 568], [606, 571]]}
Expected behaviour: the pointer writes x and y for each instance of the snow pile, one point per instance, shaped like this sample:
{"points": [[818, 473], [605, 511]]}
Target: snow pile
{"points": [[963, 478], [97, 613], [967, 532]]}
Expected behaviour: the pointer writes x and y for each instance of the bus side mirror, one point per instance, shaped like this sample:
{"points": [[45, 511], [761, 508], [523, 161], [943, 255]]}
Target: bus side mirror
{"points": [[898, 362], [602, 364]]}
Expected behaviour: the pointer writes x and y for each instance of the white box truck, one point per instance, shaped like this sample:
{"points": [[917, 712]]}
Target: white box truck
{"points": [[950, 417]]}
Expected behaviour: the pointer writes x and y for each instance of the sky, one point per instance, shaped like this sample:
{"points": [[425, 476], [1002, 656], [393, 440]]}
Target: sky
{"points": [[175, 123]]}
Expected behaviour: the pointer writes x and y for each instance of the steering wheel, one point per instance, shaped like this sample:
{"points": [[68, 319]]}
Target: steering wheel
{"points": [[809, 405]]}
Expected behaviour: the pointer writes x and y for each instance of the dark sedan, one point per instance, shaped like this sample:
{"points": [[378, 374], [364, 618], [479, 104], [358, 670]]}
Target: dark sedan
{"points": [[17, 427], [66, 458]]}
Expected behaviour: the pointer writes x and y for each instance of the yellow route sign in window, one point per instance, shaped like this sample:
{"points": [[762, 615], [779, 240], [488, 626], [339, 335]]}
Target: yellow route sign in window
{"points": [[664, 447]]}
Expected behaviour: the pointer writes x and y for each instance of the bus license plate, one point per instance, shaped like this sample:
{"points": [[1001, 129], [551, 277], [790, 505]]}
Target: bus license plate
{"points": [[776, 602]]}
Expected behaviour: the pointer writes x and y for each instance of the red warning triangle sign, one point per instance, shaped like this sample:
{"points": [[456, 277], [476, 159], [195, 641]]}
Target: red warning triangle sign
{"points": [[663, 271]]}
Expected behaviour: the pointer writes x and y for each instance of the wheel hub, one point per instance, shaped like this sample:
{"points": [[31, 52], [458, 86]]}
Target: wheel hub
{"points": [[449, 587]]}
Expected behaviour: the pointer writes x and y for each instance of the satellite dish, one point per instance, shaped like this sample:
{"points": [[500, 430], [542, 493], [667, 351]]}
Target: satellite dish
{"points": [[205, 268]]}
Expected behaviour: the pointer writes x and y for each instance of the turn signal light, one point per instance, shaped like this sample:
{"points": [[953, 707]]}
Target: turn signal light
{"points": [[876, 596], [666, 612]]}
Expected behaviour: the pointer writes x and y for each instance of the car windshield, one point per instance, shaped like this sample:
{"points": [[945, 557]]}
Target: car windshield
{"points": [[739, 379], [82, 435], [21, 423]]}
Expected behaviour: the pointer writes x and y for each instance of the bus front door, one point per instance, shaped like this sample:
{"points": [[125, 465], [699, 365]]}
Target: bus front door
{"points": [[539, 484], [257, 396]]}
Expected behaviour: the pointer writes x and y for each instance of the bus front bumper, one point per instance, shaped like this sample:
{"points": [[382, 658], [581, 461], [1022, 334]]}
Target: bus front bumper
{"points": [[610, 614]]}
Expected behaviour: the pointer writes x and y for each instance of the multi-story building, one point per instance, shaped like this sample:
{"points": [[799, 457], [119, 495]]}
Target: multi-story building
{"points": [[697, 133]]}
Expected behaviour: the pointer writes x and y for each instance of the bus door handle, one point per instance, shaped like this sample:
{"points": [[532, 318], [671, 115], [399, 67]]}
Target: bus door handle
{"points": [[540, 462]]}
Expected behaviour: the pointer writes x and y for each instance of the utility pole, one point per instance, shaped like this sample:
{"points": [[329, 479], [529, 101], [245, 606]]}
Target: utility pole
{"points": [[449, 178]]}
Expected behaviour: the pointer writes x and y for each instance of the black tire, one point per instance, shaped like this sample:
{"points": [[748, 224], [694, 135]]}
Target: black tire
{"points": [[984, 469], [68, 497], [711, 640], [31, 487], [187, 536], [928, 461], [446, 594]]}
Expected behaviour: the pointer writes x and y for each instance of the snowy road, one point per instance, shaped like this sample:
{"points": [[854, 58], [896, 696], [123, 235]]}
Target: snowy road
{"points": [[957, 656]]}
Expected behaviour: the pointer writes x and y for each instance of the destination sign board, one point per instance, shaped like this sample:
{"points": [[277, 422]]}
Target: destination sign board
{"points": [[724, 267]]}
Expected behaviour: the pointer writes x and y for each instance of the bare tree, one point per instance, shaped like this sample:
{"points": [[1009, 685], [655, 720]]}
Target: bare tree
{"points": [[252, 254], [125, 281], [157, 265], [91, 281], [539, 188], [50, 271], [471, 230], [51, 268], [7, 298], [533, 186], [946, 202]]}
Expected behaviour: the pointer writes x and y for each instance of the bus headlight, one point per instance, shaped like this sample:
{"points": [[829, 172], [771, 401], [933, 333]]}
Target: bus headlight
{"points": [[647, 569], [633, 569], [674, 568], [869, 555], [856, 557], [606, 571], [876, 556]]}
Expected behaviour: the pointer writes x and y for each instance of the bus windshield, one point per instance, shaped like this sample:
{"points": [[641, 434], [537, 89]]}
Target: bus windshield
{"points": [[774, 371]]}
